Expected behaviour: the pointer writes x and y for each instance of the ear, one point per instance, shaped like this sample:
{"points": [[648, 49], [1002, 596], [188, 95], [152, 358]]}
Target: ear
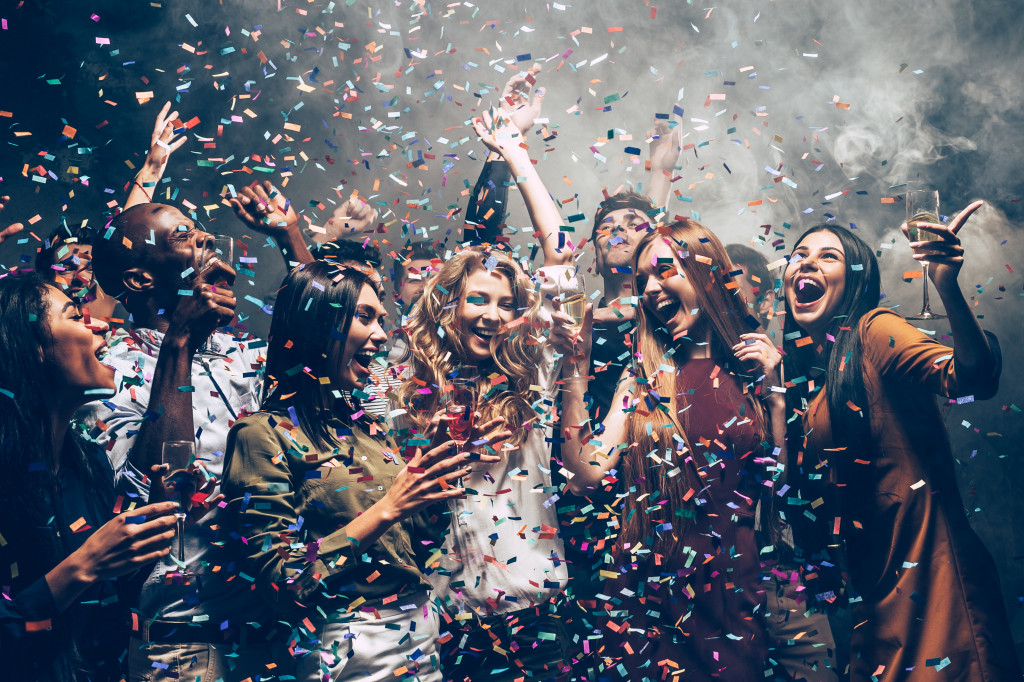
{"points": [[137, 280]]}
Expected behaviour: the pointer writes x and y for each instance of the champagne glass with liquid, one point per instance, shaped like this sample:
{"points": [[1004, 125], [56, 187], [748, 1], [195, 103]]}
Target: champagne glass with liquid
{"points": [[575, 306], [923, 207], [180, 483], [461, 409]]}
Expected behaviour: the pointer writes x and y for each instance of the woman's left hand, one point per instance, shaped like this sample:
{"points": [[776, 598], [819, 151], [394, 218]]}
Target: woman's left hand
{"points": [[760, 349], [945, 255]]}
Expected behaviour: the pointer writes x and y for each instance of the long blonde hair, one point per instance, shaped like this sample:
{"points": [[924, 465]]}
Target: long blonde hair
{"points": [[437, 348], [654, 425]]}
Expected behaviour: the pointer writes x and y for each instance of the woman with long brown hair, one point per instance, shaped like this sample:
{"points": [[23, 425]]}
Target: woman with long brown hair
{"points": [[686, 438]]}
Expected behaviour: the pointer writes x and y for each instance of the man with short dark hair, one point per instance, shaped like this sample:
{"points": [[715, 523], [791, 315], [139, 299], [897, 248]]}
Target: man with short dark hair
{"points": [[755, 281], [182, 380]]}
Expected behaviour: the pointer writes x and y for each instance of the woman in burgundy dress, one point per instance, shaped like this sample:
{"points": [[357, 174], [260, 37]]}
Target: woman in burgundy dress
{"points": [[686, 439]]}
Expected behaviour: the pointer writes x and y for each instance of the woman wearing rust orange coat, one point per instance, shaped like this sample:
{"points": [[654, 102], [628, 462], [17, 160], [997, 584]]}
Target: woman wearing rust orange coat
{"points": [[929, 606]]}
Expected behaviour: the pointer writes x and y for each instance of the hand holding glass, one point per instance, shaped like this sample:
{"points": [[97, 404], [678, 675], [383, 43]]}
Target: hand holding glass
{"points": [[180, 483], [460, 409], [576, 306], [923, 207]]}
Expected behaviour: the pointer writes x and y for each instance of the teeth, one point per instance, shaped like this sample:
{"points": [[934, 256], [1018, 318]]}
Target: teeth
{"points": [[666, 304]]}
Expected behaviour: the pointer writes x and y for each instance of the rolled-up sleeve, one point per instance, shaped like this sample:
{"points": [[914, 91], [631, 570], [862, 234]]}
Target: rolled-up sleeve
{"points": [[262, 485], [903, 353]]}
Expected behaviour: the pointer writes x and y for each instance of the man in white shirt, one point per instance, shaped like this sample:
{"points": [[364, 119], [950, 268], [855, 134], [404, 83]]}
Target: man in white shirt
{"points": [[180, 380]]}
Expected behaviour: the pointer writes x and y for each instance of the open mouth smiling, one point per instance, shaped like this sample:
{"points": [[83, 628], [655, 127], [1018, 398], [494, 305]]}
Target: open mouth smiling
{"points": [[807, 291]]}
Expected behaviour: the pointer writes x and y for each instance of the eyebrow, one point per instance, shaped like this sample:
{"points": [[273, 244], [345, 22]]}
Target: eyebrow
{"points": [[69, 304], [366, 308]]}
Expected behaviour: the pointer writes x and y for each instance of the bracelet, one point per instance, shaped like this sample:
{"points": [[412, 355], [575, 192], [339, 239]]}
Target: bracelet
{"points": [[148, 195]]}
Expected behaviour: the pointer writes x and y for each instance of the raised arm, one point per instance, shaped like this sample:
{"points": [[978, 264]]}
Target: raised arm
{"points": [[972, 350], [266, 210], [587, 458], [664, 141], [489, 201], [169, 410], [161, 145], [354, 217], [498, 131]]}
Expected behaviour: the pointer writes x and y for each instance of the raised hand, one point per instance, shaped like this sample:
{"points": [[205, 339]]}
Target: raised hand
{"points": [[210, 306], [665, 140], [944, 254], [162, 143], [353, 217], [13, 228], [265, 209], [499, 134], [515, 98], [664, 145]]}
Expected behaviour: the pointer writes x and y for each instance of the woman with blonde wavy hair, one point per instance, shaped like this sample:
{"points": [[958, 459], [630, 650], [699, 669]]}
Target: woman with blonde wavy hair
{"points": [[687, 437], [500, 571], [492, 333]]}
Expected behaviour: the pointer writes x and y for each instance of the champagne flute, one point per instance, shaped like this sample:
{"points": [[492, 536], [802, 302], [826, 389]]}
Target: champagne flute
{"points": [[460, 410], [575, 306], [923, 207], [179, 456], [220, 248]]}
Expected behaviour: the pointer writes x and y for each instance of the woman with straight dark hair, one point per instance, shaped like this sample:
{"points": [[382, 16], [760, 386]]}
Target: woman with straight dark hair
{"points": [[63, 616], [329, 512], [924, 591], [687, 437]]}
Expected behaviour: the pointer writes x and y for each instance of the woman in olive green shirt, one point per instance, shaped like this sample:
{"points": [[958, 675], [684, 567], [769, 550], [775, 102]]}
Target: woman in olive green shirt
{"points": [[333, 524]]}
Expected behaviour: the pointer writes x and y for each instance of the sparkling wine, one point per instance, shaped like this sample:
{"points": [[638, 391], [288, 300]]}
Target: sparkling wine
{"points": [[574, 306], [460, 422], [918, 235]]}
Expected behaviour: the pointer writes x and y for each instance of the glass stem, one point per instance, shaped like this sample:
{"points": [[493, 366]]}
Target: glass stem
{"points": [[181, 537], [926, 308]]}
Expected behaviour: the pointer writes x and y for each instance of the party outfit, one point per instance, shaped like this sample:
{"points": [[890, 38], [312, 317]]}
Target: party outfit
{"points": [[697, 612], [927, 603], [197, 626], [38, 641], [356, 612], [502, 569]]}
